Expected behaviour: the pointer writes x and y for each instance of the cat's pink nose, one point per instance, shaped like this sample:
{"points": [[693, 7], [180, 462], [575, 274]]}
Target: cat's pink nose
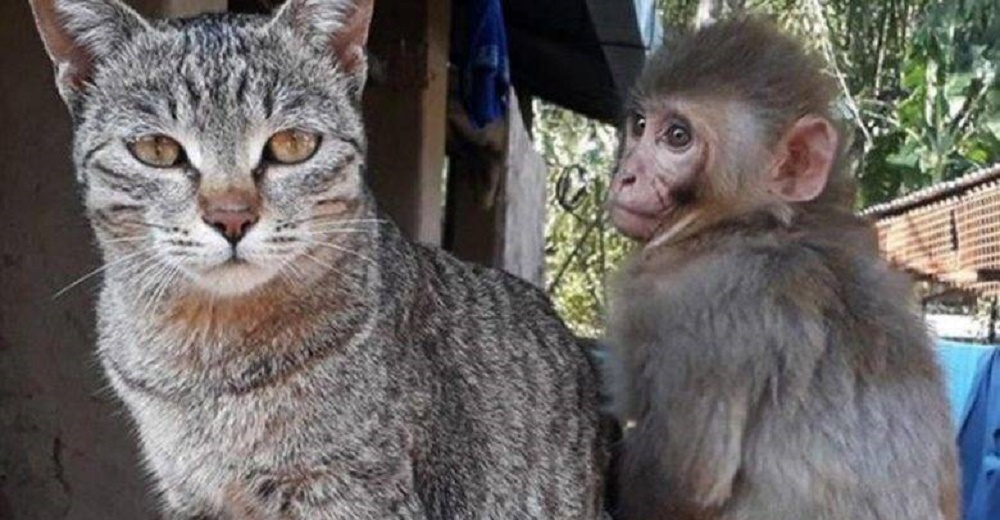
{"points": [[231, 214], [232, 224]]}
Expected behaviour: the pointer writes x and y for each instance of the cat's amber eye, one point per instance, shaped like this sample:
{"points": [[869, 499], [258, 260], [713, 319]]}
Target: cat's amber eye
{"points": [[291, 146], [157, 150]]}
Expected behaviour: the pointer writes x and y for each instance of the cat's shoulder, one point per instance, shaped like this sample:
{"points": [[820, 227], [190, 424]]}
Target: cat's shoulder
{"points": [[452, 270]]}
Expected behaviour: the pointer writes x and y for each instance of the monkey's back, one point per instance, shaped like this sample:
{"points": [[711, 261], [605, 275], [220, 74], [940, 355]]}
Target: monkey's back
{"points": [[846, 415], [869, 435]]}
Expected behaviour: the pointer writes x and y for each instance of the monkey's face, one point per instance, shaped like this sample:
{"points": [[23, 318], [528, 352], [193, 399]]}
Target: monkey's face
{"points": [[664, 153], [690, 159]]}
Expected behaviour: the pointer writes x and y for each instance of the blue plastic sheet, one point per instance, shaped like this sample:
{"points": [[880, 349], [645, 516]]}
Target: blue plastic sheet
{"points": [[973, 375]]}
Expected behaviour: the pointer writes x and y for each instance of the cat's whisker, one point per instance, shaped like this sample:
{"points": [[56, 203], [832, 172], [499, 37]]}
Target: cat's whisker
{"points": [[295, 237], [164, 287], [320, 262], [289, 273], [335, 231], [143, 276], [340, 225], [154, 225], [342, 250], [322, 219], [100, 270], [146, 278], [139, 269], [125, 239], [160, 282]]}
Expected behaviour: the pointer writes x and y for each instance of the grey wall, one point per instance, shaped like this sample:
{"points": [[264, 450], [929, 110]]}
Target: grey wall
{"points": [[66, 448]]}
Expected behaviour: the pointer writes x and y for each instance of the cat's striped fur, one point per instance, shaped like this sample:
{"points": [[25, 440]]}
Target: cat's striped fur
{"points": [[339, 371]]}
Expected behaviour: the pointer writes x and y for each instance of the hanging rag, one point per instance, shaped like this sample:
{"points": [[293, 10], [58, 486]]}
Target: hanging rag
{"points": [[482, 61]]}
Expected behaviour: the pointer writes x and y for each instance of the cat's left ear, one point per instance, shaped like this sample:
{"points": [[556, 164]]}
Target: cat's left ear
{"points": [[336, 27], [78, 34]]}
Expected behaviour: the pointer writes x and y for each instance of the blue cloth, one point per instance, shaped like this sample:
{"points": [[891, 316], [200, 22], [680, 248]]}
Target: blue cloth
{"points": [[483, 62], [960, 363], [979, 444]]}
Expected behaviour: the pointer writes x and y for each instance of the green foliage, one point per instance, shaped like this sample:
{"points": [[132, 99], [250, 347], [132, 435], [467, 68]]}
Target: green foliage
{"points": [[580, 248], [948, 118], [919, 80]]}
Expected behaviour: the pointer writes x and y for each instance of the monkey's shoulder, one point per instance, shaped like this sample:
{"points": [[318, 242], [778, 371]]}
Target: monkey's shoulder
{"points": [[720, 257]]}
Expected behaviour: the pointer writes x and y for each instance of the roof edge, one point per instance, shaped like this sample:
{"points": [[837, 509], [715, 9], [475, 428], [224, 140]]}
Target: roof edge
{"points": [[934, 193]]}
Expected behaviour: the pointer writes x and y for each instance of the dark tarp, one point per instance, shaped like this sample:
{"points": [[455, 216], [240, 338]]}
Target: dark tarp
{"points": [[580, 54]]}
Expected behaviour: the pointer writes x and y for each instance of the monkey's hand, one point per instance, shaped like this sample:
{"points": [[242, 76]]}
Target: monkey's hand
{"points": [[699, 441]]}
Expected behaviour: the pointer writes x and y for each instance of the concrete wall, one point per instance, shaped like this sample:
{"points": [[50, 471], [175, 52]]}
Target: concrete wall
{"points": [[66, 448]]}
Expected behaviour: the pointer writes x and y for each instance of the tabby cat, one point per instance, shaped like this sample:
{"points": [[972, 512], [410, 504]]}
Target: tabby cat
{"points": [[283, 350]]}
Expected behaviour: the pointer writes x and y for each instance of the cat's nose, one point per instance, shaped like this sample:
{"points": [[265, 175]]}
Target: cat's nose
{"points": [[232, 224], [231, 214]]}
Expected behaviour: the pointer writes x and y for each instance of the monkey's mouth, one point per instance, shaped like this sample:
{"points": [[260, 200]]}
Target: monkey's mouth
{"points": [[635, 223]]}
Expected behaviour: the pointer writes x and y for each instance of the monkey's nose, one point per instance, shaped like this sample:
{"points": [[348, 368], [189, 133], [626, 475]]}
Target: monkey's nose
{"points": [[626, 180]]}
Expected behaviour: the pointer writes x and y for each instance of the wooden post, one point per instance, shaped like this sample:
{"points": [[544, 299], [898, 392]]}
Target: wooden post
{"points": [[405, 112], [496, 198]]}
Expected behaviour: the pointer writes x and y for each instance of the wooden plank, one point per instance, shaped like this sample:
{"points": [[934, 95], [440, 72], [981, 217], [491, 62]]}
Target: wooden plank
{"points": [[405, 112], [496, 195], [523, 232]]}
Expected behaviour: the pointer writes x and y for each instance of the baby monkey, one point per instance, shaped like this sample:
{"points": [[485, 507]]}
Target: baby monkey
{"points": [[770, 364]]}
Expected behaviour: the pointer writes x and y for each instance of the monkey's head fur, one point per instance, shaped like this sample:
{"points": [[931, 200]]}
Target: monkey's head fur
{"points": [[733, 117]]}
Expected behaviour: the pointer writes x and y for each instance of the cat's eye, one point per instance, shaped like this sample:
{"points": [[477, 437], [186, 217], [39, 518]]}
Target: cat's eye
{"points": [[158, 151], [291, 146]]}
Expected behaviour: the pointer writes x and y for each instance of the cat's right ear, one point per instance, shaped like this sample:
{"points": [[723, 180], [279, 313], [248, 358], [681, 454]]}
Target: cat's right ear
{"points": [[80, 33], [338, 28]]}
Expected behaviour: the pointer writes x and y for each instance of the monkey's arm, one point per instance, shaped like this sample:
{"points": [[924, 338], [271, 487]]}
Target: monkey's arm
{"points": [[727, 345]]}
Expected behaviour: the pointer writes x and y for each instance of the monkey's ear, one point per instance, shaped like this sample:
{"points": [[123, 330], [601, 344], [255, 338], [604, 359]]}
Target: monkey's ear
{"points": [[338, 28], [80, 33], [806, 156]]}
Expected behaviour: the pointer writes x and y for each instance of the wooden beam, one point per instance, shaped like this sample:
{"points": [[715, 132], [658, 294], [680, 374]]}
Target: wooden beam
{"points": [[405, 106]]}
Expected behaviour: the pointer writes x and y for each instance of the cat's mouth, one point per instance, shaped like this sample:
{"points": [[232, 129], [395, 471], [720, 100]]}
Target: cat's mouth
{"points": [[234, 276], [235, 261]]}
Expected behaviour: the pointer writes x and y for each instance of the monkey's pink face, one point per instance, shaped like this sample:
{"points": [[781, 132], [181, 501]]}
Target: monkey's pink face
{"points": [[663, 157]]}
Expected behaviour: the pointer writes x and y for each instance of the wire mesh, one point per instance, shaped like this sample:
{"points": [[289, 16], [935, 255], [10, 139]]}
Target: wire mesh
{"points": [[954, 240]]}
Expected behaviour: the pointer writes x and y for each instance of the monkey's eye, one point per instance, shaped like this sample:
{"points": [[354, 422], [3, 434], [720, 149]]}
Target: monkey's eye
{"points": [[291, 146], [677, 136], [638, 123], [158, 151]]}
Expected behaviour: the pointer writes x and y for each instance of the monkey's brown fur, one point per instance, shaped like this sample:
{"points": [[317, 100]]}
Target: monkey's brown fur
{"points": [[771, 365]]}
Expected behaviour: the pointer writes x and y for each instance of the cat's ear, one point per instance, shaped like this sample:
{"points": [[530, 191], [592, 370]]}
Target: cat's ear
{"points": [[336, 27], [79, 33]]}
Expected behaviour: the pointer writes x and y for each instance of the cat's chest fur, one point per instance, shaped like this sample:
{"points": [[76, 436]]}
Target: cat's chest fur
{"points": [[231, 420]]}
